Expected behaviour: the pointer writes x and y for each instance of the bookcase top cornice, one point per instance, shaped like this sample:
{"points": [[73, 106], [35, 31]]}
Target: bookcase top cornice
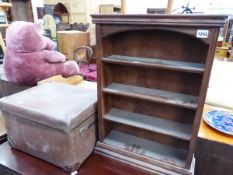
{"points": [[163, 20]]}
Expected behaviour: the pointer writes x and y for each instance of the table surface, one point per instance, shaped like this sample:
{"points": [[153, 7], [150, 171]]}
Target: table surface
{"points": [[209, 133], [29, 165]]}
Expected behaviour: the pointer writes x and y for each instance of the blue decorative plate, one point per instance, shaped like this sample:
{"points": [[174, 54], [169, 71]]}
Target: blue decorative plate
{"points": [[220, 120]]}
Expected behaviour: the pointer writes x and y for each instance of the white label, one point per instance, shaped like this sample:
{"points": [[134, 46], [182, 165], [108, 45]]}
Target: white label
{"points": [[202, 33], [136, 62], [74, 173]]}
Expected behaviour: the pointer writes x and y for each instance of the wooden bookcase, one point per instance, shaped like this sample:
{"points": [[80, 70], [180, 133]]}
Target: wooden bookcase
{"points": [[153, 73]]}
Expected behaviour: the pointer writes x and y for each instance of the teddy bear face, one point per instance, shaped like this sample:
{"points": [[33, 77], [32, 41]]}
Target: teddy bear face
{"points": [[24, 37]]}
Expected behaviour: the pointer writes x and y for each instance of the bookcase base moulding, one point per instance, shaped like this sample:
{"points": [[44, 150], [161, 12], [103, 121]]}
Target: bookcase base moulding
{"points": [[149, 165], [153, 73]]}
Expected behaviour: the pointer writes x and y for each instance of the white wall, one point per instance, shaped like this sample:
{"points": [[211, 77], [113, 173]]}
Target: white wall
{"points": [[220, 6], [140, 7], [115, 2], [206, 6]]}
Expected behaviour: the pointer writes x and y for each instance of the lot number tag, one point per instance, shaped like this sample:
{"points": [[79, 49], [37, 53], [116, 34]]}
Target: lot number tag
{"points": [[202, 33]]}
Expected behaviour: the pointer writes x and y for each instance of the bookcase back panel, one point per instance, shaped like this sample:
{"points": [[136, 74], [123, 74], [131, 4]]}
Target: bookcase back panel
{"points": [[156, 44], [158, 110], [173, 81], [159, 138]]}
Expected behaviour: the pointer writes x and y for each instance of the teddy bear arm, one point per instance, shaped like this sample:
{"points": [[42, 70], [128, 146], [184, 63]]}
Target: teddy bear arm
{"points": [[53, 56], [50, 45]]}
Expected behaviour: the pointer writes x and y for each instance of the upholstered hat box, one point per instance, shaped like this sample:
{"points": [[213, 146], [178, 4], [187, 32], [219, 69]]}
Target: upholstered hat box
{"points": [[54, 122]]}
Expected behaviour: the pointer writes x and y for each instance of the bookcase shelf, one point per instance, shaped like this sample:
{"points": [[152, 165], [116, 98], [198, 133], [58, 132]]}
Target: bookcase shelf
{"points": [[153, 74], [155, 63], [153, 124], [147, 148], [176, 99]]}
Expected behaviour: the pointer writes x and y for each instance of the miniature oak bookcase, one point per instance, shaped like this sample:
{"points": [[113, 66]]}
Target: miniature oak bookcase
{"points": [[153, 73]]}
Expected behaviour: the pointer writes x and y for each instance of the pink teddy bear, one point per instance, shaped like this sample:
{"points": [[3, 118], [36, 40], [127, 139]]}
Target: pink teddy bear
{"points": [[30, 58]]}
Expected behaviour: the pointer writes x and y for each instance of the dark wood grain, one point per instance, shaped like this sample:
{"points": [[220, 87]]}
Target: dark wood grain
{"points": [[213, 157], [8, 88], [3, 138], [7, 171], [100, 84], [19, 6], [173, 81], [147, 134], [147, 148], [202, 96], [159, 110], [102, 165], [95, 165], [157, 43], [131, 78], [24, 163], [140, 161], [176, 99], [174, 129], [155, 63], [163, 20]]}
